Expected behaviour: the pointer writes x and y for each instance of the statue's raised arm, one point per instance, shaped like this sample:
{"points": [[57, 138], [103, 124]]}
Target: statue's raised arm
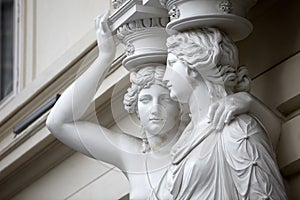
{"points": [[66, 121]]}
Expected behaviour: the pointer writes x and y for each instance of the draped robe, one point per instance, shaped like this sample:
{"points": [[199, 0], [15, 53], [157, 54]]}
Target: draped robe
{"points": [[235, 163]]}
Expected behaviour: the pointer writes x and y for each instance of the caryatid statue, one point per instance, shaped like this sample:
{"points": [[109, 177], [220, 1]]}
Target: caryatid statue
{"points": [[236, 161], [158, 163]]}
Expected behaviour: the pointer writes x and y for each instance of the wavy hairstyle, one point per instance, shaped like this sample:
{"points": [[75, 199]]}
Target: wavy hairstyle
{"points": [[141, 79], [214, 56], [144, 78]]}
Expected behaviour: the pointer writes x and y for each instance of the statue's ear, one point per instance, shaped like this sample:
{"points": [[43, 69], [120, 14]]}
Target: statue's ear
{"points": [[191, 72]]}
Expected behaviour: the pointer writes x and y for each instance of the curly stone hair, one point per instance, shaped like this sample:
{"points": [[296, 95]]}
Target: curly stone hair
{"points": [[144, 78], [214, 56], [141, 79]]}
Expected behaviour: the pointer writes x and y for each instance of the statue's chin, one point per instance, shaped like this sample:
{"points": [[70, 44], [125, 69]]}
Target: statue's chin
{"points": [[154, 129]]}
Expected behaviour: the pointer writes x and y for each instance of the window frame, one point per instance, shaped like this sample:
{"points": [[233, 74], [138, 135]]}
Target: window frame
{"points": [[16, 53]]}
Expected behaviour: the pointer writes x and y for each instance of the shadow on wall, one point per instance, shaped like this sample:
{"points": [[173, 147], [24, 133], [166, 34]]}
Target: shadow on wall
{"points": [[275, 36], [275, 39]]}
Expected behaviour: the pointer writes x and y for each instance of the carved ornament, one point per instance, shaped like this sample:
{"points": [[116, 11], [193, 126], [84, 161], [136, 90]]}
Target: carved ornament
{"points": [[145, 41], [131, 10], [227, 15], [129, 49], [117, 3], [174, 12], [225, 6]]}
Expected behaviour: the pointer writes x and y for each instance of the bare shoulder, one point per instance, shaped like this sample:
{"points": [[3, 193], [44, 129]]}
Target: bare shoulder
{"points": [[129, 143]]}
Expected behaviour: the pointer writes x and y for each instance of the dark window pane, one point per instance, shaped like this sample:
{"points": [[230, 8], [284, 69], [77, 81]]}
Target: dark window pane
{"points": [[6, 47]]}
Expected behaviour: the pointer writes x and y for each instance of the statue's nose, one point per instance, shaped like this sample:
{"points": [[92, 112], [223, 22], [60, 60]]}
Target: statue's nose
{"points": [[155, 108]]}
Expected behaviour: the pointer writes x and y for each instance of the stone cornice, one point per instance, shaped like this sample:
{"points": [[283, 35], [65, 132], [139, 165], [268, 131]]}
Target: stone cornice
{"points": [[227, 15], [140, 25], [117, 3], [133, 10]]}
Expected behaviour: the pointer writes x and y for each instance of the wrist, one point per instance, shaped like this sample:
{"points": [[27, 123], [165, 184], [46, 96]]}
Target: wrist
{"points": [[105, 57]]}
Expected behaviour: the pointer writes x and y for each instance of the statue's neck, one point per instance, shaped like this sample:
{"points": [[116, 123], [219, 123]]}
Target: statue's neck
{"points": [[199, 104], [162, 143]]}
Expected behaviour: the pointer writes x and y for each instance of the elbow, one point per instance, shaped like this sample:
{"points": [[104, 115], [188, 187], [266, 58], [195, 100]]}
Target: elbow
{"points": [[53, 124]]}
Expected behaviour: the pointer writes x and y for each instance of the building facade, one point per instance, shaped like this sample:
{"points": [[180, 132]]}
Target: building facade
{"points": [[48, 43]]}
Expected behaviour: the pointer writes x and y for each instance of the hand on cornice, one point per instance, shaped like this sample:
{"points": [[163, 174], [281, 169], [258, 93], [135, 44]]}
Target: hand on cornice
{"points": [[105, 40], [225, 110]]}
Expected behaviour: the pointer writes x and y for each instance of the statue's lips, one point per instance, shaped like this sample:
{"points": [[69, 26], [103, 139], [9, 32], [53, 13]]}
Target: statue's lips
{"points": [[156, 120]]}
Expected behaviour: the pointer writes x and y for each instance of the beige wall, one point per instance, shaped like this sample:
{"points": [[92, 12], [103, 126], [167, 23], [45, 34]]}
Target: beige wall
{"points": [[78, 177], [51, 28], [60, 24]]}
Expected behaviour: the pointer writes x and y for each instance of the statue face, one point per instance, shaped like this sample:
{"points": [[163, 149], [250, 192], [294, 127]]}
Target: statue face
{"points": [[158, 112], [179, 82]]}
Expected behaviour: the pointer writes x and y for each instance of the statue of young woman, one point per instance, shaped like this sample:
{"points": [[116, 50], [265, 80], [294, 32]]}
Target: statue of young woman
{"points": [[143, 161], [235, 162], [148, 95]]}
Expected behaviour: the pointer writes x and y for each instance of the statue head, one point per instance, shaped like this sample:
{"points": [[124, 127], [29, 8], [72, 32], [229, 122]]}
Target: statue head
{"points": [[149, 98], [214, 56], [143, 78]]}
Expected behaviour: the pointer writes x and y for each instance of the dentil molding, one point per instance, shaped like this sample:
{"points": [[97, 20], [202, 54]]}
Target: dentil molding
{"points": [[144, 41]]}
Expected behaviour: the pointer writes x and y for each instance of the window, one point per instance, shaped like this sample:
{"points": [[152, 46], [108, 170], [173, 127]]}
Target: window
{"points": [[7, 81]]}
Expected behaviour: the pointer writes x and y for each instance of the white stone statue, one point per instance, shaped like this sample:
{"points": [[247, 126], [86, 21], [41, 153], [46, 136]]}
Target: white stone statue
{"points": [[148, 96], [146, 160], [234, 162]]}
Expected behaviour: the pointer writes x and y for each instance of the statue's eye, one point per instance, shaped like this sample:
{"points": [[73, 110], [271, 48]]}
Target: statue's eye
{"points": [[145, 99], [165, 99], [171, 62]]}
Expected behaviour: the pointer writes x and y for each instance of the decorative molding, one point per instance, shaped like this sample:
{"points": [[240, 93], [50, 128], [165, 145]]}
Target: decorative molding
{"points": [[174, 12], [145, 41], [227, 15], [117, 3], [140, 25], [134, 10], [129, 49], [26, 134], [225, 6], [35, 115], [163, 3], [33, 168]]}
